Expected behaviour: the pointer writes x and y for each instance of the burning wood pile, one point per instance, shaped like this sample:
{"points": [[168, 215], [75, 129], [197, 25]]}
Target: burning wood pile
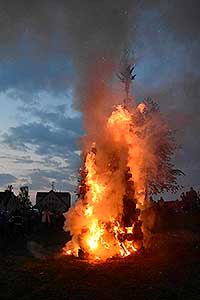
{"points": [[129, 158]]}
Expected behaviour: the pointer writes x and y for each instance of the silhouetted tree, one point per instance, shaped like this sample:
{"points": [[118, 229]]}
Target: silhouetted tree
{"points": [[24, 197], [163, 176], [126, 75], [9, 188]]}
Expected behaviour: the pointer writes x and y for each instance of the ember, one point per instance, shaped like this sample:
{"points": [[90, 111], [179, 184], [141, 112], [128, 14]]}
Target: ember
{"points": [[106, 221]]}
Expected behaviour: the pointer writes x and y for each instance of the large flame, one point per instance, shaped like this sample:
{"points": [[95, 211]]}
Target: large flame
{"points": [[114, 176]]}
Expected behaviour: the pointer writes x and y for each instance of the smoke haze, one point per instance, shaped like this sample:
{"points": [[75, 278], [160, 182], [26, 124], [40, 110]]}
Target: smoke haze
{"points": [[91, 36]]}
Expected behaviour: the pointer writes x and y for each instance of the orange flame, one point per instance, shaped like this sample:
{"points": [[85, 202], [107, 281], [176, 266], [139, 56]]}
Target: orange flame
{"points": [[99, 230]]}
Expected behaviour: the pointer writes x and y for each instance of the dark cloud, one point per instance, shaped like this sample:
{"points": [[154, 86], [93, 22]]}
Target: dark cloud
{"points": [[51, 45], [167, 44], [42, 179], [57, 119], [25, 77], [39, 35], [6, 179], [43, 138], [54, 44], [70, 159], [181, 105], [38, 181], [183, 17], [25, 161]]}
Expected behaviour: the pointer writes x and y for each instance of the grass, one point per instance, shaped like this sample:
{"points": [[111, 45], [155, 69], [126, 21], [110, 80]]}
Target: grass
{"points": [[169, 269]]}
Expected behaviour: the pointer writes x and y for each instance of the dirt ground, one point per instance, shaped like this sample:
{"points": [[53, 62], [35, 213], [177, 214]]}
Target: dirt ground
{"points": [[169, 269]]}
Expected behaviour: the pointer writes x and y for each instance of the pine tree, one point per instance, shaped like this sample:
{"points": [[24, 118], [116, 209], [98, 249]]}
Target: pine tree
{"points": [[164, 178], [24, 197]]}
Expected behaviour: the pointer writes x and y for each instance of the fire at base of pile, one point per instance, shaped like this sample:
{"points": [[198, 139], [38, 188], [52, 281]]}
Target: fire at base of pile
{"points": [[106, 220]]}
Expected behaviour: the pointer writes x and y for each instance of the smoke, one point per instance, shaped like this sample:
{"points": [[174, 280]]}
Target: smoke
{"points": [[92, 36], [87, 32], [91, 33], [129, 158]]}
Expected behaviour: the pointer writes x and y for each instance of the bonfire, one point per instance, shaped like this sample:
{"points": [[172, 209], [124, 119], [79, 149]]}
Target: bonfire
{"points": [[129, 159]]}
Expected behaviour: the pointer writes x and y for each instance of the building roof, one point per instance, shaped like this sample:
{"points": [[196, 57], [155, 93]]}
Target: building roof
{"points": [[62, 196], [7, 197]]}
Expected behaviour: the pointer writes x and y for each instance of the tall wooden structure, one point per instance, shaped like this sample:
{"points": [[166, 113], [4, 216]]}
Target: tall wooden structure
{"points": [[126, 76]]}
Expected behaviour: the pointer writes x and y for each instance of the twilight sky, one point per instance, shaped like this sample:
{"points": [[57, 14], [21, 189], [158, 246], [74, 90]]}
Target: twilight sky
{"points": [[46, 50]]}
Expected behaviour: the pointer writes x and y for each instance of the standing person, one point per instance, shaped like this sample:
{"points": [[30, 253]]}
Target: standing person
{"points": [[198, 200], [187, 202], [2, 225], [35, 221], [60, 220], [3, 235], [161, 202], [18, 224], [193, 199], [193, 193]]}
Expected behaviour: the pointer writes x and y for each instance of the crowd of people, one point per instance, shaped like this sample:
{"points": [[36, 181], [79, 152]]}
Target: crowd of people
{"points": [[189, 202], [22, 223]]}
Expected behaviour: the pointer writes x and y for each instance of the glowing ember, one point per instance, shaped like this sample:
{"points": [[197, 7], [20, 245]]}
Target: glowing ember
{"points": [[141, 107]]}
